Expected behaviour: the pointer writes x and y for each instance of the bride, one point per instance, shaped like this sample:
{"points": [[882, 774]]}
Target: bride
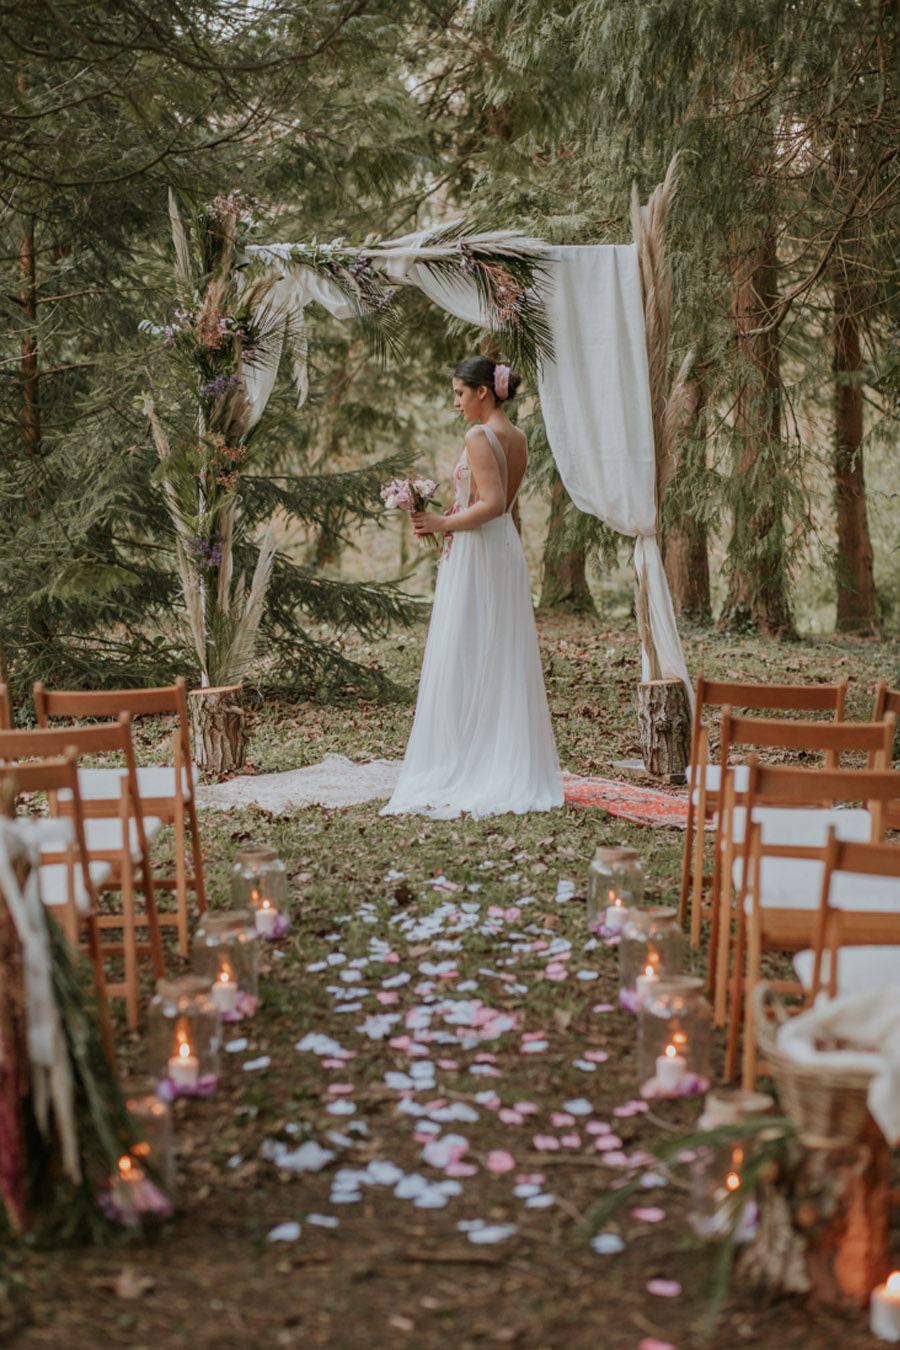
{"points": [[481, 741]]}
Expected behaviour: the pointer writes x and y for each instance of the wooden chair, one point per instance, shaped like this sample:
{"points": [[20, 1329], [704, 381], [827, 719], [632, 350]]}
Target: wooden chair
{"points": [[781, 881], [705, 780], [69, 887], [116, 832], [887, 701], [855, 950], [167, 792], [830, 740], [6, 713]]}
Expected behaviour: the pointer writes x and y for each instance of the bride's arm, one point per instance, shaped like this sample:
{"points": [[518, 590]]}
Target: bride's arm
{"points": [[491, 494]]}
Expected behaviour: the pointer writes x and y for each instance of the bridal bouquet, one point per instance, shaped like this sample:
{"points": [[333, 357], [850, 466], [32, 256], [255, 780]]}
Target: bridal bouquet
{"points": [[413, 493]]}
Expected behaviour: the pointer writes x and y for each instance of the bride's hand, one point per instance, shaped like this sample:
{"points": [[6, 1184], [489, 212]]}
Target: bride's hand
{"points": [[426, 522]]}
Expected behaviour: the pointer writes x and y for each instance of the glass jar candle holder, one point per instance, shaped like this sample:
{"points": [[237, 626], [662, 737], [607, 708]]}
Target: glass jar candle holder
{"points": [[615, 885], [651, 948], [259, 883], [674, 1037], [225, 948], [143, 1185], [720, 1202], [184, 1033]]}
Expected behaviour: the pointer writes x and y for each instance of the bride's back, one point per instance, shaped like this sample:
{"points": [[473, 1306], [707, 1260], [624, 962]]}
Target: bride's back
{"points": [[511, 447]]}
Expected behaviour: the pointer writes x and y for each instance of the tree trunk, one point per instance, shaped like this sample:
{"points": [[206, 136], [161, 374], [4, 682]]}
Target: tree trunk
{"points": [[664, 728], [823, 1227], [757, 564], [564, 582], [857, 606], [685, 551], [217, 728], [31, 404]]}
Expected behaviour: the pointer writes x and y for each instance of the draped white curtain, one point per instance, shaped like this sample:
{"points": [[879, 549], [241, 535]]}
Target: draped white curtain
{"points": [[595, 393]]}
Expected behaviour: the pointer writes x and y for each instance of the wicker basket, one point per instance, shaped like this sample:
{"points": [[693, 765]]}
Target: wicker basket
{"points": [[828, 1107]]}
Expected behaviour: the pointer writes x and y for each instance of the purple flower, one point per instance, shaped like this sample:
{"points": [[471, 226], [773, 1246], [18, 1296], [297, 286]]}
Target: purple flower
{"points": [[205, 553], [221, 384]]}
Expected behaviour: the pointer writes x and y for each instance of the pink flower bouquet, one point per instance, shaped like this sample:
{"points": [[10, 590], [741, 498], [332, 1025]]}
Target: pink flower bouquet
{"points": [[413, 493]]}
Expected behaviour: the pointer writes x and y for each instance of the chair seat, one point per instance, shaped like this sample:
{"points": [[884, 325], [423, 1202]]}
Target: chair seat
{"points": [[54, 883], [154, 783], [104, 834], [807, 825], [796, 883], [859, 969], [713, 775]]}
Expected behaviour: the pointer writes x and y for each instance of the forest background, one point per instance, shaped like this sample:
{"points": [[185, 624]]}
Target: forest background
{"points": [[337, 119]]}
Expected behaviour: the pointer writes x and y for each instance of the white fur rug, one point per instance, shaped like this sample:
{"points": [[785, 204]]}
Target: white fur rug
{"points": [[336, 781]]}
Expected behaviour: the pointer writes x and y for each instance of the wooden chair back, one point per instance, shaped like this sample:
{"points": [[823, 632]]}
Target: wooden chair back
{"points": [[53, 776], [836, 927], [809, 698], [6, 712], [886, 700], [831, 739], [103, 738], [69, 704]]}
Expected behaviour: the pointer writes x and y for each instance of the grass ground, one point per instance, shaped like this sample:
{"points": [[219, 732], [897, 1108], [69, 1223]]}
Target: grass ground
{"points": [[388, 1269]]}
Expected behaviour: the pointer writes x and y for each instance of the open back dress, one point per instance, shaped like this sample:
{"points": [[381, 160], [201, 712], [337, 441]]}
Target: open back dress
{"points": [[481, 741]]}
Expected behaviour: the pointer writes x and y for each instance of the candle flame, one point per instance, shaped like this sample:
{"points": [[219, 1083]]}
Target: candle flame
{"points": [[254, 896], [670, 1052], [733, 1182], [125, 1166], [184, 1050], [648, 970], [141, 1149], [224, 974], [893, 1283], [266, 904], [679, 1038]]}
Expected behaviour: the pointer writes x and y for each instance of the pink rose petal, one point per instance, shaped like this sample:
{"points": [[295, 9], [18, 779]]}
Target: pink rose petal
{"points": [[596, 1056], [649, 1214], [570, 1140], [526, 1108], [448, 1064], [510, 1116], [545, 1143], [607, 1142], [460, 1169], [340, 1089], [560, 1119], [651, 1343], [530, 1178], [598, 1127], [387, 996], [603, 1007], [664, 1288], [534, 1035], [499, 1161]]}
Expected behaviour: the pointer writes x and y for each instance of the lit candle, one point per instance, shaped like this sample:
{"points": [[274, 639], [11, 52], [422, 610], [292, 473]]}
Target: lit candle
{"points": [[616, 914], [225, 991], [184, 1068], [266, 919], [670, 1068], [646, 980], [884, 1309]]}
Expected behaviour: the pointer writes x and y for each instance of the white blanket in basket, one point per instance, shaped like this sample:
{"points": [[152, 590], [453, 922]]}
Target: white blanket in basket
{"points": [[868, 1026]]}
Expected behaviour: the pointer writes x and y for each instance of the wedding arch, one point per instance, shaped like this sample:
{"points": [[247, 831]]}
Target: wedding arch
{"points": [[609, 410]]}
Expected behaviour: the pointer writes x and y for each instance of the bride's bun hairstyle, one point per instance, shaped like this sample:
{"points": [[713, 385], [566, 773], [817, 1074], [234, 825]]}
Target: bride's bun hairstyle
{"points": [[476, 371]]}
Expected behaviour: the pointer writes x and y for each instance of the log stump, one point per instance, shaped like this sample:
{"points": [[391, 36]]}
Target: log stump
{"points": [[823, 1228], [664, 728], [217, 728]]}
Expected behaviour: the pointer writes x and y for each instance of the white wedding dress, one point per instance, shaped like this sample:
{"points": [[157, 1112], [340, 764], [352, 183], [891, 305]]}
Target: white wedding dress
{"points": [[481, 741]]}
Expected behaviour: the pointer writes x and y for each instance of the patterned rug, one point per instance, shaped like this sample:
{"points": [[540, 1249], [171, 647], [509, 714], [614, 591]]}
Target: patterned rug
{"points": [[641, 805]]}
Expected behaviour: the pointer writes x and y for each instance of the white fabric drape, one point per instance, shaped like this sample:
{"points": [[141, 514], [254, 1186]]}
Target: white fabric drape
{"points": [[51, 1076], [594, 394], [595, 398]]}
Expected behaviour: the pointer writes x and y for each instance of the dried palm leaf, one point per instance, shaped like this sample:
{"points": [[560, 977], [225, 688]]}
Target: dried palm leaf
{"points": [[183, 280]]}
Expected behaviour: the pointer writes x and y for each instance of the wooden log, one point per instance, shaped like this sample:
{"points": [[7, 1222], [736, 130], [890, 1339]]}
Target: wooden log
{"points": [[664, 727], [217, 728], [823, 1228]]}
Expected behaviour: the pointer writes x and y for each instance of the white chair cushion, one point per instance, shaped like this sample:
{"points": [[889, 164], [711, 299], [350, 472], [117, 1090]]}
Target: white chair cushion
{"points": [[105, 836], [796, 883], [100, 785], [806, 825], [713, 772], [53, 879], [860, 969]]}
